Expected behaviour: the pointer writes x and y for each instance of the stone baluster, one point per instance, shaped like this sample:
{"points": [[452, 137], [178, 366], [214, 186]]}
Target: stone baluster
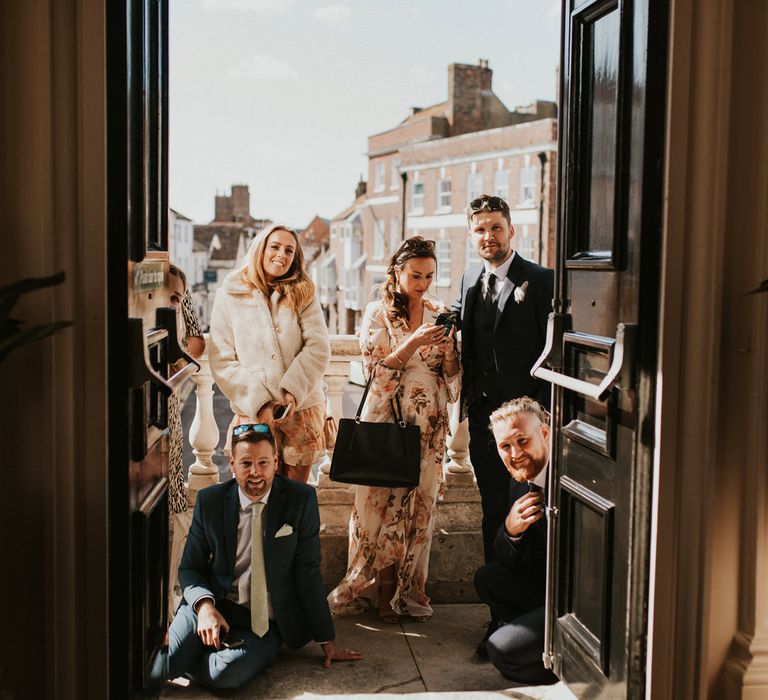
{"points": [[203, 433], [457, 443], [344, 348], [335, 500]]}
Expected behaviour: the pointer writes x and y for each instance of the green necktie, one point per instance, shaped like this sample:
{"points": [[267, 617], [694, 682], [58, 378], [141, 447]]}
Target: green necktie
{"points": [[259, 608]]}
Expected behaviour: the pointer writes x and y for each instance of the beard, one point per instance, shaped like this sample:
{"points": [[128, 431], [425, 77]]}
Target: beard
{"points": [[524, 471], [494, 255]]}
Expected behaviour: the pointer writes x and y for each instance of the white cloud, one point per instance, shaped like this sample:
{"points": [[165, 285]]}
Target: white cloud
{"points": [[333, 14], [262, 67], [259, 7]]}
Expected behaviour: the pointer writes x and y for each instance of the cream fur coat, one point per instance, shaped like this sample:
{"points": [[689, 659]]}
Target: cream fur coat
{"points": [[259, 348]]}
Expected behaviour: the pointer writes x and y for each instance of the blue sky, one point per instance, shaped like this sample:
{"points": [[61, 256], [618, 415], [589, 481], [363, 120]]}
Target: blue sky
{"points": [[283, 94]]}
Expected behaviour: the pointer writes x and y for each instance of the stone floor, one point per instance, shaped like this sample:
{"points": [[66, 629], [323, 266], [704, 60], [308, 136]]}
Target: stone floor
{"points": [[434, 660]]}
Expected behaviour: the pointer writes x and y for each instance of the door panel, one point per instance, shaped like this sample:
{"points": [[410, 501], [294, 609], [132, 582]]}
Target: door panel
{"points": [[142, 345], [601, 343]]}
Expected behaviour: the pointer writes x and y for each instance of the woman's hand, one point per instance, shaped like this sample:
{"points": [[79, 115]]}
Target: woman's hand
{"points": [[446, 344], [290, 402], [426, 334], [266, 413]]}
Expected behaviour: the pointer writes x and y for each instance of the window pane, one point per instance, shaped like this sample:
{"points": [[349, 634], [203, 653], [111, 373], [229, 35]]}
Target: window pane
{"points": [[378, 241], [501, 184], [528, 182], [605, 62], [417, 199], [443, 252], [444, 193]]}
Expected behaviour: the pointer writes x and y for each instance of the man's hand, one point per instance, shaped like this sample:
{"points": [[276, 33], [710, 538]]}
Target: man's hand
{"points": [[210, 622], [334, 654], [525, 511]]}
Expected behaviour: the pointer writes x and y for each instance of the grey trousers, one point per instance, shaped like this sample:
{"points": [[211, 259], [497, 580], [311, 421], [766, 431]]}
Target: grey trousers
{"points": [[515, 648]]}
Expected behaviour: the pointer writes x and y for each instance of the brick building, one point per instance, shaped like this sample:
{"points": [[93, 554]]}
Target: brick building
{"points": [[422, 173], [315, 238]]}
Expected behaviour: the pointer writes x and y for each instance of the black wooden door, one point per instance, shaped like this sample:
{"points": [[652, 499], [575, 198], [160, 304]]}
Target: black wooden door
{"points": [[601, 346], [142, 343]]}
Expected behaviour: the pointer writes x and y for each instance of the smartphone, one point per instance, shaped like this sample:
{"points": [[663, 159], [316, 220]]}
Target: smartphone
{"points": [[230, 641], [279, 411], [447, 319]]}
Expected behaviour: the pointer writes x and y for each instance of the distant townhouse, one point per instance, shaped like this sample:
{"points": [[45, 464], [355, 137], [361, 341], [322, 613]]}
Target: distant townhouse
{"points": [[341, 272], [423, 172], [315, 238], [184, 251]]}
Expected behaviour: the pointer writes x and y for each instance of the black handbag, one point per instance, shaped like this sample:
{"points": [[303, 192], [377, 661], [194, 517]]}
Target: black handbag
{"points": [[377, 454]]}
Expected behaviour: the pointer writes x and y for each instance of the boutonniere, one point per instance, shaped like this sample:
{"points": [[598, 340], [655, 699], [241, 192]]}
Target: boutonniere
{"points": [[520, 292]]}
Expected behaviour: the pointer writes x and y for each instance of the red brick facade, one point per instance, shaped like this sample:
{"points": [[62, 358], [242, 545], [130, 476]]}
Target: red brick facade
{"points": [[421, 175]]}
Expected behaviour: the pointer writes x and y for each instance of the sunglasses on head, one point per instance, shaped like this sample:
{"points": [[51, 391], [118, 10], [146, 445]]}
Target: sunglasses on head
{"points": [[488, 203], [243, 428]]}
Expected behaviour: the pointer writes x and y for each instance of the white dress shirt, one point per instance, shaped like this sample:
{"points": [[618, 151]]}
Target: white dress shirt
{"points": [[501, 274], [240, 592]]}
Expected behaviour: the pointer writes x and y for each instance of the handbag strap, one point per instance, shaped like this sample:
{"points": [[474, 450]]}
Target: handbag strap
{"points": [[398, 414]]}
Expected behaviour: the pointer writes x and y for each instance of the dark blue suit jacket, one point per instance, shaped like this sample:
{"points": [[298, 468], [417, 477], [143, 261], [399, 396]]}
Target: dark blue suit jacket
{"points": [[519, 331], [292, 562]]}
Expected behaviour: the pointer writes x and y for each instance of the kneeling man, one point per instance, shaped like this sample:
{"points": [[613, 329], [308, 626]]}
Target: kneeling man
{"points": [[514, 586], [250, 572]]}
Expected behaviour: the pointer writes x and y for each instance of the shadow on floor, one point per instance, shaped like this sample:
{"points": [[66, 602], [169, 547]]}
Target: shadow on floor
{"points": [[432, 660]]}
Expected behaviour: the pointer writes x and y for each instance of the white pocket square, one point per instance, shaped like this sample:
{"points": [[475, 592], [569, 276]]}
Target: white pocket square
{"points": [[284, 531]]}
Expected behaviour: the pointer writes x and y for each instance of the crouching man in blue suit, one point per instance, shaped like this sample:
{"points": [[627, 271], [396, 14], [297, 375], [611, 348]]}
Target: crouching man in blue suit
{"points": [[250, 572], [514, 586]]}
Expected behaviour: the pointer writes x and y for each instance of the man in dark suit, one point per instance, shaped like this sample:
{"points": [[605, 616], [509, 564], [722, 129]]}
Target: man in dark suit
{"points": [[250, 572], [503, 309], [514, 586]]}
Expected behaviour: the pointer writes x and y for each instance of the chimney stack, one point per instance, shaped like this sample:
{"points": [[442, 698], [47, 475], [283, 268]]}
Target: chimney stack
{"points": [[223, 208], [241, 203], [466, 85]]}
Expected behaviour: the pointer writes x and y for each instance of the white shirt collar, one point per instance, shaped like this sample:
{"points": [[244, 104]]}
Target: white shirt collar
{"points": [[245, 502], [502, 270], [541, 478]]}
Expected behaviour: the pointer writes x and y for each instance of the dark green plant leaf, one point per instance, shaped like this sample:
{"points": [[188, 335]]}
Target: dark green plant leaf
{"points": [[30, 335], [10, 294], [9, 328]]}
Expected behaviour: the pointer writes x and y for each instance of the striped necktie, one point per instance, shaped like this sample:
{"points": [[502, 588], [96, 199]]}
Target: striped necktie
{"points": [[259, 608]]}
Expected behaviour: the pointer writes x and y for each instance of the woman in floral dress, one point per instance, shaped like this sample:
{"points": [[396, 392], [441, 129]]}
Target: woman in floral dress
{"points": [[391, 529]]}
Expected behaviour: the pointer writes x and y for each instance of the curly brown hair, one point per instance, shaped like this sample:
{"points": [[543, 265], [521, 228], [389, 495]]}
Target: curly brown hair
{"points": [[395, 302]]}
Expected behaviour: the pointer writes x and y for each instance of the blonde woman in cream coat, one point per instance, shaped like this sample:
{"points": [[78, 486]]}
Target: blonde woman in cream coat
{"points": [[269, 348]]}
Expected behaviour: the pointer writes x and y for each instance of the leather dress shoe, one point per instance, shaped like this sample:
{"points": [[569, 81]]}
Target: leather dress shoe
{"points": [[490, 627]]}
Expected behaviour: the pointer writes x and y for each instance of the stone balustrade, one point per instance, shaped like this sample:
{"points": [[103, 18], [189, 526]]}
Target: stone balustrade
{"points": [[457, 541]]}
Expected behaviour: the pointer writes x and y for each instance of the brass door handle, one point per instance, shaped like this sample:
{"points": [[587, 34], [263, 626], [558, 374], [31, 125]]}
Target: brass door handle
{"points": [[618, 372]]}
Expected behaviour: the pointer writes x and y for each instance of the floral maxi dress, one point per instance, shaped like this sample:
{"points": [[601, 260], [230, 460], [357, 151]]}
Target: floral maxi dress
{"points": [[389, 526]]}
